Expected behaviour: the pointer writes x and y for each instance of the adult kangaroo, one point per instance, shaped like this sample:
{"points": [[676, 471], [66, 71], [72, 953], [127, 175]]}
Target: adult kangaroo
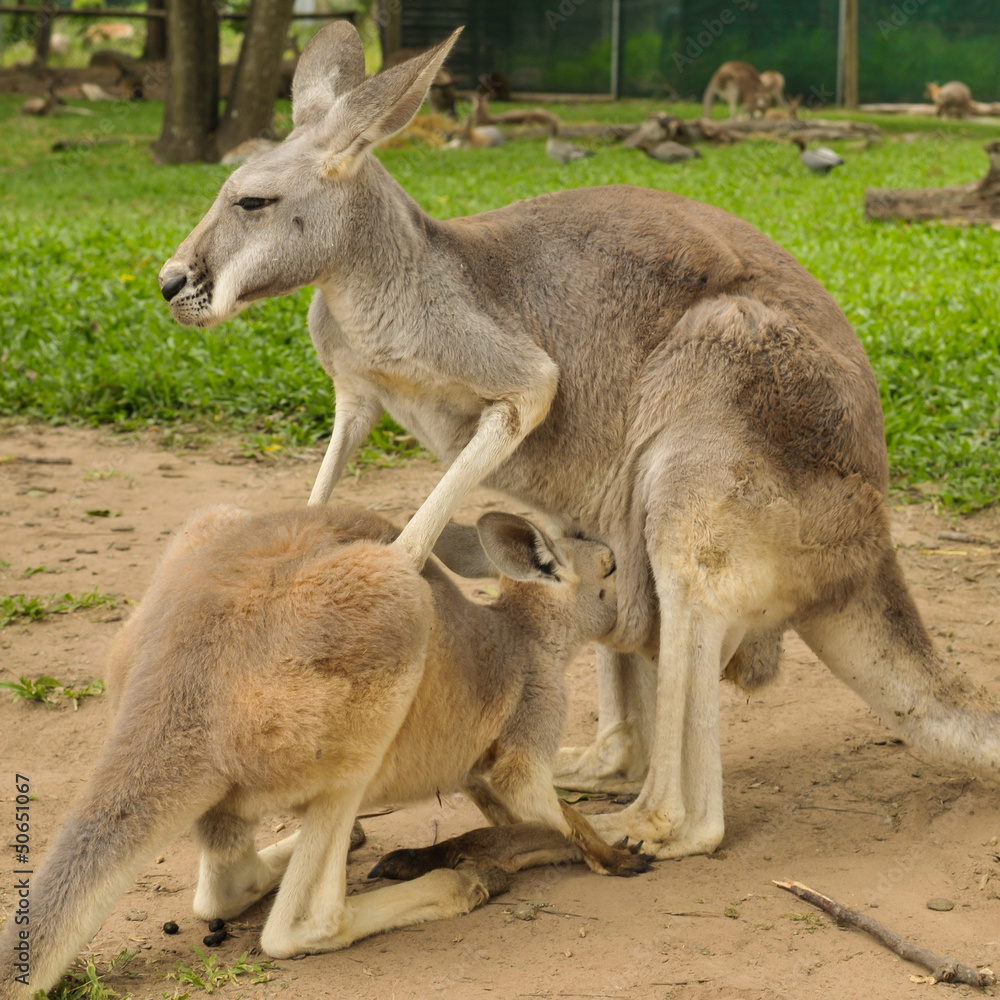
{"points": [[301, 661], [646, 369]]}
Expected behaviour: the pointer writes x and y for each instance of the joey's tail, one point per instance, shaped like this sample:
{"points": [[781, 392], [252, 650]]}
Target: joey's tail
{"points": [[878, 645], [127, 812]]}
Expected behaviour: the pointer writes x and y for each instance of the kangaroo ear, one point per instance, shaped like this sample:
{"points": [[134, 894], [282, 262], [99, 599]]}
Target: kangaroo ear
{"points": [[381, 106], [332, 63], [517, 548], [459, 548]]}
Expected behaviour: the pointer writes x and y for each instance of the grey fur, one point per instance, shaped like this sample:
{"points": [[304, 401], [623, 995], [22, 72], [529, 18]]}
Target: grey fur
{"points": [[647, 369]]}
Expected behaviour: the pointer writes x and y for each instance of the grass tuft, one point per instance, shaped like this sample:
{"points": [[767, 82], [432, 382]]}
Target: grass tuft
{"points": [[19, 608], [210, 976]]}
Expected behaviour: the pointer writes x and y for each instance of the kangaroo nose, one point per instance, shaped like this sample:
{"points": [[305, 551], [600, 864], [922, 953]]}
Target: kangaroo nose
{"points": [[173, 286]]}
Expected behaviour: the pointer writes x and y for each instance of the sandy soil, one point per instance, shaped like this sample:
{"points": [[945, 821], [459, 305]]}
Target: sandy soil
{"points": [[816, 789]]}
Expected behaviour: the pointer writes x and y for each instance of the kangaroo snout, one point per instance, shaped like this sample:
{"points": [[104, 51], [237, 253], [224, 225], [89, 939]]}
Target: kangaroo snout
{"points": [[170, 286]]}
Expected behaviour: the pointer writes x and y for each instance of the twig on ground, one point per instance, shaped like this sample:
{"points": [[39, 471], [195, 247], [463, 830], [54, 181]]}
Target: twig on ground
{"points": [[945, 970], [967, 537]]}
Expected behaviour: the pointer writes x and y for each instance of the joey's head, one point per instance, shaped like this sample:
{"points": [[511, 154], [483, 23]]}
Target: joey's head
{"points": [[292, 217], [566, 585]]}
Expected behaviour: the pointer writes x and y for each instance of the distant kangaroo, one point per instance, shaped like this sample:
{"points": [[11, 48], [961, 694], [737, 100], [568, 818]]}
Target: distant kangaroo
{"points": [[953, 99], [773, 82], [300, 661], [741, 86], [646, 369]]}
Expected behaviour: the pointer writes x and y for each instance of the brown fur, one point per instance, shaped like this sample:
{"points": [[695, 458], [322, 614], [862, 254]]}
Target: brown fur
{"points": [[643, 368], [953, 99], [299, 661], [743, 87]]}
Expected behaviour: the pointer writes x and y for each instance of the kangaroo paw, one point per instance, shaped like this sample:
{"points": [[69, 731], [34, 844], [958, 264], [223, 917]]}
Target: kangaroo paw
{"points": [[628, 859]]}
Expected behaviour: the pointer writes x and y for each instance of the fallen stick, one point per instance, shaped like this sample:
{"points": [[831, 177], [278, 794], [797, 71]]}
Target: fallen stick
{"points": [[965, 536], [944, 970]]}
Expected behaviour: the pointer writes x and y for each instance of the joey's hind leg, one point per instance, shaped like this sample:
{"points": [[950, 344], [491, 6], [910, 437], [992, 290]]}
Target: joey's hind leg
{"points": [[618, 758], [233, 874], [312, 912]]}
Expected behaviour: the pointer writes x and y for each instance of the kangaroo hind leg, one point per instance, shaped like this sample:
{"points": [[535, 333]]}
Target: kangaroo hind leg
{"points": [[232, 873], [618, 758], [312, 913]]}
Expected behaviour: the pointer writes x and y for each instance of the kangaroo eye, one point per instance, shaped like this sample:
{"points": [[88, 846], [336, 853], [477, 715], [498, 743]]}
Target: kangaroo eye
{"points": [[252, 204]]}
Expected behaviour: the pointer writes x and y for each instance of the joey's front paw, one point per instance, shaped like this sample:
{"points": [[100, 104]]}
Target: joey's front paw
{"points": [[627, 859]]}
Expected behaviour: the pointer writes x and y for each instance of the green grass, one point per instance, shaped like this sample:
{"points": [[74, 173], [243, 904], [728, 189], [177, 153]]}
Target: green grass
{"points": [[85, 336], [48, 690], [210, 975], [20, 608], [85, 983]]}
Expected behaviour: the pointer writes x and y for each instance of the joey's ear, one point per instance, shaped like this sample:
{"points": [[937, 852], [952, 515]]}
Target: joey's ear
{"points": [[517, 548], [332, 63], [381, 106], [459, 548]]}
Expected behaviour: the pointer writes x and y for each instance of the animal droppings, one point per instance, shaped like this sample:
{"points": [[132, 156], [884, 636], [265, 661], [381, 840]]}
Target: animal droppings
{"points": [[170, 927], [211, 940], [216, 925]]}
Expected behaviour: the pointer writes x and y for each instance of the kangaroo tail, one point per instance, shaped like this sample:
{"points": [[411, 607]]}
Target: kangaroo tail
{"points": [[124, 816], [706, 101], [877, 644]]}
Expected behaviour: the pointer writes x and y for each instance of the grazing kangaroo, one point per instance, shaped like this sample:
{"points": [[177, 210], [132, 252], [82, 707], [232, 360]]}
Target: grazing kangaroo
{"points": [[647, 369], [773, 82], [300, 661], [953, 99], [742, 86]]}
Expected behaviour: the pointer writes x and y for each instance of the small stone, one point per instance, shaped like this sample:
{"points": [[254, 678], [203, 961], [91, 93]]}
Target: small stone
{"points": [[137, 915], [939, 903], [122, 527], [170, 927], [211, 940], [160, 859], [216, 925]]}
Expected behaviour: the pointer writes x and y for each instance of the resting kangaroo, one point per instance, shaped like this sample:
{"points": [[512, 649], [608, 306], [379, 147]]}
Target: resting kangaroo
{"points": [[647, 369], [298, 661]]}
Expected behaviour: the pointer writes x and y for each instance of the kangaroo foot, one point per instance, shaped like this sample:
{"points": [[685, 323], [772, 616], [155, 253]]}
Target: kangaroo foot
{"points": [[607, 765], [658, 836], [506, 848], [627, 859]]}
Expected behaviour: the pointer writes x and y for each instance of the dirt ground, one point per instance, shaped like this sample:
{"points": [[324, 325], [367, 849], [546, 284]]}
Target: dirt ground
{"points": [[816, 789]]}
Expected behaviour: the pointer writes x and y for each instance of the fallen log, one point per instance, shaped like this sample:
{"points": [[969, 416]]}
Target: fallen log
{"points": [[978, 201], [808, 128], [927, 110]]}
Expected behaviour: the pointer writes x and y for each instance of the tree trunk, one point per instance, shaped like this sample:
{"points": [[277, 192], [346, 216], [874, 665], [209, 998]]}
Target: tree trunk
{"points": [[191, 113], [257, 76], [43, 33], [975, 202], [155, 48]]}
